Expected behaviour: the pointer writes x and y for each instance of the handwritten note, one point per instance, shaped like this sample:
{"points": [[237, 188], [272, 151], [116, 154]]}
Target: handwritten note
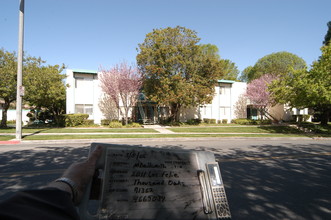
{"points": [[148, 183]]}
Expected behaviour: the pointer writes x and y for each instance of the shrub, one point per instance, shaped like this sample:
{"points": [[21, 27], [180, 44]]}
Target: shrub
{"points": [[105, 122], [244, 121], [174, 123], [133, 125], [193, 121], [73, 120], [206, 120], [88, 122], [10, 122], [224, 121], [306, 118], [212, 121], [61, 120], [263, 122], [116, 120], [115, 124], [209, 120]]}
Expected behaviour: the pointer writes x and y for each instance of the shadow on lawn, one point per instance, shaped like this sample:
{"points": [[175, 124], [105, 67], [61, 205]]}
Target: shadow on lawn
{"points": [[262, 182], [36, 132]]}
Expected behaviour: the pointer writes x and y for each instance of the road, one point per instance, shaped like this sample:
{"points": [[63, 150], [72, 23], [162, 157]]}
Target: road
{"points": [[264, 179]]}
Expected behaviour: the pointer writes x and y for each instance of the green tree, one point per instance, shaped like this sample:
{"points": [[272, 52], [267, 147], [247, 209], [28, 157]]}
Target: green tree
{"points": [[228, 68], [210, 50], [307, 88], [175, 70], [245, 73], [276, 64], [327, 37], [8, 77], [44, 86]]}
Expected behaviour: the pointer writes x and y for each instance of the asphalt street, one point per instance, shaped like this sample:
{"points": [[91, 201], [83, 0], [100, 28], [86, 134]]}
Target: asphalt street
{"points": [[275, 178]]}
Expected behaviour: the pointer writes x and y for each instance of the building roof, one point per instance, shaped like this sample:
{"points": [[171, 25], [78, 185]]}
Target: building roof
{"points": [[85, 71], [226, 81]]}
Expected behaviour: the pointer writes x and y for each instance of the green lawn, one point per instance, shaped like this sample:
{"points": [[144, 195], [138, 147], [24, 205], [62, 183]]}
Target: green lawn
{"points": [[6, 137], [98, 136], [236, 131], [80, 130], [243, 129]]}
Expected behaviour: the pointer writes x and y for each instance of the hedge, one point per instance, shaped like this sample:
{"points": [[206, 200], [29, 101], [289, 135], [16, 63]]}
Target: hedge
{"points": [[193, 121], [73, 120], [115, 124], [245, 121], [105, 121], [209, 120]]}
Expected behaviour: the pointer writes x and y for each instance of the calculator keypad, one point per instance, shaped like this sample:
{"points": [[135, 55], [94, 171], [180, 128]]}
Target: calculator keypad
{"points": [[221, 203]]}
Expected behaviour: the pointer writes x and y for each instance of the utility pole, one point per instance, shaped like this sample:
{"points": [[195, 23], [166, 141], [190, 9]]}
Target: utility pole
{"points": [[20, 88]]}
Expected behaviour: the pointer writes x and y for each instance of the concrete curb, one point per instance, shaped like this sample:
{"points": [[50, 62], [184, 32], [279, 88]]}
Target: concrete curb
{"points": [[137, 140], [10, 142]]}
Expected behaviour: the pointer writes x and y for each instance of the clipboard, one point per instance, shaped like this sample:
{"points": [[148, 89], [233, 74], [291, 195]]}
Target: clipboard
{"points": [[153, 183]]}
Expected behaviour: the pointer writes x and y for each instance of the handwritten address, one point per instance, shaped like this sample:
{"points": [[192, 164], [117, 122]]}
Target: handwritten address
{"points": [[143, 175]]}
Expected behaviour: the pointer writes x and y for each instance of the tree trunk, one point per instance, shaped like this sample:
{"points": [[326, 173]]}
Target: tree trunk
{"points": [[126, 115], [4, 114], [174, 117], [325, 116], [57, 118]]}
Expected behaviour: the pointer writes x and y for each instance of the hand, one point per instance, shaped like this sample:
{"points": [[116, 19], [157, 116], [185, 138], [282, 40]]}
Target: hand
{"points": [[81, 174]]}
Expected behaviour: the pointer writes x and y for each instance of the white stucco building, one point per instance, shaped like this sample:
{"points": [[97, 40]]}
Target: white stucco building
{"points": [[84, 94], [225, 104]]}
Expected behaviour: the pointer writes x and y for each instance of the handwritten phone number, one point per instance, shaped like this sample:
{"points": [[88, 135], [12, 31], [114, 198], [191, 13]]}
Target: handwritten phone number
{"points": [[150, 198]]}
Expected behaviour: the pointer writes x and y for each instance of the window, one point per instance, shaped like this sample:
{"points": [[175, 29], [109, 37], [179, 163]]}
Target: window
{"points": [[222, 90], [78, 81], [84, 108], [225, 111], [82, 82]]}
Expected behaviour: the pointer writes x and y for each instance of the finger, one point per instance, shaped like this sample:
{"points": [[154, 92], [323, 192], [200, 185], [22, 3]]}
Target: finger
{"points": [[95, 155]]}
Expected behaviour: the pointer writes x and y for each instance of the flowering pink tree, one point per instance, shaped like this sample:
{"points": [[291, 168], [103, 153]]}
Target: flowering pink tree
{"points": [[121, 84], [258, 94]]}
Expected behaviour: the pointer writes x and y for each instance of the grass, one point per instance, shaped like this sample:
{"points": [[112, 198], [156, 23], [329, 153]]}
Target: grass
{"points": [[6, 137], [244, 129], [99, 136], [219, 131], [80, 130], [316, 129]]}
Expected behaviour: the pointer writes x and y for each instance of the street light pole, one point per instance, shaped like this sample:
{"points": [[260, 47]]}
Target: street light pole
{"points": [[20, 89]]}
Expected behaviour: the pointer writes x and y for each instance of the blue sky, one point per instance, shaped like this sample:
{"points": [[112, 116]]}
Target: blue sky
{"points": [[87, 34]]}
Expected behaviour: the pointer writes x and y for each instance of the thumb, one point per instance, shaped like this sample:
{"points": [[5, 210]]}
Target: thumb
{"points": [[92, 159]]}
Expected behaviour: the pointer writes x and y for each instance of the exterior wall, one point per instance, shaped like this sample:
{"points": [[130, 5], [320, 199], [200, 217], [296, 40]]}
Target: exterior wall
{"points": [[277, 112], [289, 112], [282, 112], [225, 105], [83, 94], [84, 90], [11, 115]]}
